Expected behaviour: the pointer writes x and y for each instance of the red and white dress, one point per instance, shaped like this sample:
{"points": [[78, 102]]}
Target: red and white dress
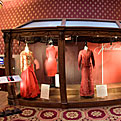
{"points": [[84, 61], [29, 87], [50, 62]]}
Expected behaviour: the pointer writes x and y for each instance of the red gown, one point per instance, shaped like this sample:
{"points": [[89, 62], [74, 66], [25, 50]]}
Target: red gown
{"points": [[29, 87], [50, 62], [87, 84]]}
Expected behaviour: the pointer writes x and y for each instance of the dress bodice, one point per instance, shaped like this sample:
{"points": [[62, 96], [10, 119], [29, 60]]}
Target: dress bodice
{"points": [[51, 52], [85, 57], [50, 62], [26, 60]]}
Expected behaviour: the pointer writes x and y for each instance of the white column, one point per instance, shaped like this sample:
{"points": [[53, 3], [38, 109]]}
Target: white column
{"points": [[102, 63]]}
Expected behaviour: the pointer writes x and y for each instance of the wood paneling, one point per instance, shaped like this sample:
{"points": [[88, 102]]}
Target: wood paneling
{"points": [[39, 51], [71, 62]]}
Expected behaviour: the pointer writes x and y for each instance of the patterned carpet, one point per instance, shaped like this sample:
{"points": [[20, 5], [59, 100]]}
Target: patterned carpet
{"points": [[109, 113]]}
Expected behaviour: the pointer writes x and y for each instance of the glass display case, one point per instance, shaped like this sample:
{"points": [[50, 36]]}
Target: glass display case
{"points": [[69, 37]]}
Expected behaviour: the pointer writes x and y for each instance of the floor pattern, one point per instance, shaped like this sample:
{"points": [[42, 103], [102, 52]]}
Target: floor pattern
{"points": [[107, 113]]}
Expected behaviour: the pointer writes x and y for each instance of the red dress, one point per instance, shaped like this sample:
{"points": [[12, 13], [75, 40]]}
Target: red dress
{"points": [[29, 87], [50, 62], [87, 85]]}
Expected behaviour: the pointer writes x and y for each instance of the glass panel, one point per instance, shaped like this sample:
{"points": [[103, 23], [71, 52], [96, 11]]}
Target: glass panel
{"points": [[84, 78], [72, 73], [92, 24], [43, 24], [43, 71]]}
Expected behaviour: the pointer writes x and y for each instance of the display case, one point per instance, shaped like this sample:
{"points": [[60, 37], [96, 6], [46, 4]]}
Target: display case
{"points": [[69, 35]]}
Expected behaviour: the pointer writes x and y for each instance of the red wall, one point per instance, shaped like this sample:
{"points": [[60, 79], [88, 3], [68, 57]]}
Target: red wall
{"points": [[111, 62]]}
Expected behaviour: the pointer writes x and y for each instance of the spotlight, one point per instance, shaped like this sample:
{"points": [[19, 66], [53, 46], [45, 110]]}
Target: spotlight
{"points": [[68, 38]]}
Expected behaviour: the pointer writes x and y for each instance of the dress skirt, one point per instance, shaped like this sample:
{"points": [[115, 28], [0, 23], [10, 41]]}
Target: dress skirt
{"points": [[29, 87], [87, 86], [51, 67]]}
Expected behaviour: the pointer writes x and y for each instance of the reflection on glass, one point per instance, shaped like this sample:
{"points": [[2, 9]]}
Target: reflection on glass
{"points": [[79, 63], [31, 63], [92, 24], [42, 24]]}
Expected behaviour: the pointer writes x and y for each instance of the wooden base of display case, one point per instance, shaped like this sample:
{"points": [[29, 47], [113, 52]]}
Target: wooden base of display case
{"points": [[74, 100], [39, 103]]}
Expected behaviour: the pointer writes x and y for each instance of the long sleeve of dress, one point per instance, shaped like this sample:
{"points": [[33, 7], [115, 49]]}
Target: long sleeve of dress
{"points": [[93, 60], [79, 59]]}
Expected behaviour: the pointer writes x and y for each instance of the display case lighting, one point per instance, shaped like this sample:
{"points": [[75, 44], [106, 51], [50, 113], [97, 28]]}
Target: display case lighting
{"points": [[68, 38]]}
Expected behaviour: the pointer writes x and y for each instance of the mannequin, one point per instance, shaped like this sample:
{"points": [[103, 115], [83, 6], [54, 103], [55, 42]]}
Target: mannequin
{"points": [[29, 87], [85, 47], [51, 63], [26, 48], [87, 84]]}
